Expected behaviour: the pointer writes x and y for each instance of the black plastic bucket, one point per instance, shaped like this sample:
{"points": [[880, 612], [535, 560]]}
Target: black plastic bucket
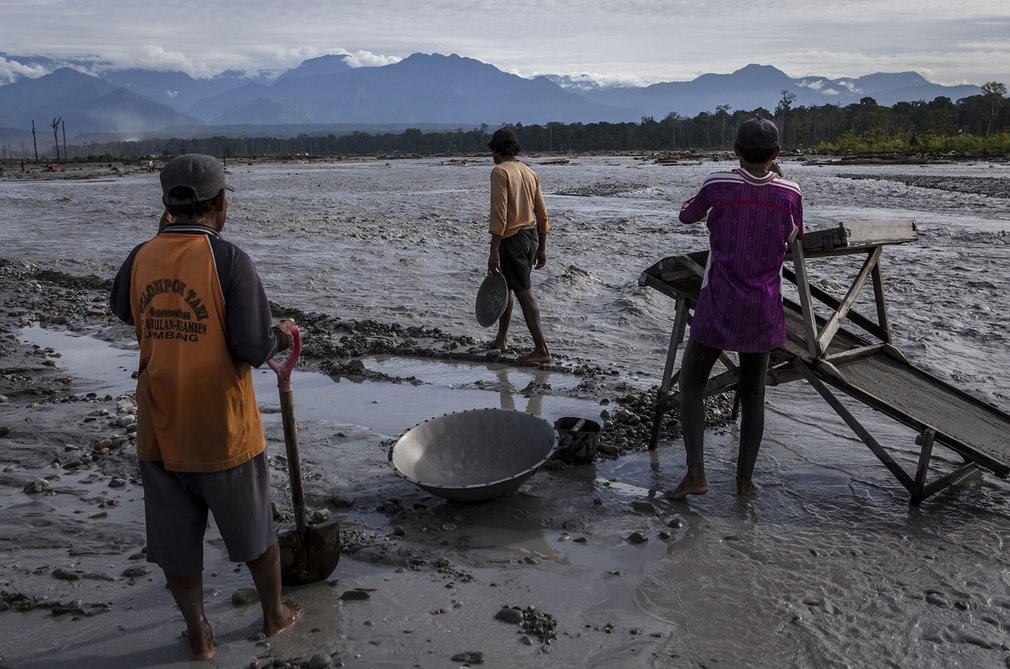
{"points": [[578, 439]]}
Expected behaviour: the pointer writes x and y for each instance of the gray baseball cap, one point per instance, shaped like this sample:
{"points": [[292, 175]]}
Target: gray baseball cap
{"points": [[757, 133], [202, 176]]}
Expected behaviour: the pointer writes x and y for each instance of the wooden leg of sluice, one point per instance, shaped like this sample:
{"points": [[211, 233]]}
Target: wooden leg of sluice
{"points": [[960, 475], [927, 450], [857, 427], [663, 396]]}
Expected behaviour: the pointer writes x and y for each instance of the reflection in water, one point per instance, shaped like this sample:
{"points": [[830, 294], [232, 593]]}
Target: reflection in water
{"points": [[532, 392]]}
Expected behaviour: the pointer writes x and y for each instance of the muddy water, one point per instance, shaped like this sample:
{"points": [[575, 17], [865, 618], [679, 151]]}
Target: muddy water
{"points": [[405, 241], [827, 566]]}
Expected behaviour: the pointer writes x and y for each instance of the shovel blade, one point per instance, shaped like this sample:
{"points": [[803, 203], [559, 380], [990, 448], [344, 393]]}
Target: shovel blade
{"points": [[318, 559]]}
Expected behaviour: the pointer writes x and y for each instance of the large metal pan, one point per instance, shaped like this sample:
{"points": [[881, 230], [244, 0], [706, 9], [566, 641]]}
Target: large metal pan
{"points": [[475, 455]]}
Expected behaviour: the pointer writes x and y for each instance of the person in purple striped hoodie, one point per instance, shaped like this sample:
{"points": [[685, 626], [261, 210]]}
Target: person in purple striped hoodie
{"points": [[752, 214]]}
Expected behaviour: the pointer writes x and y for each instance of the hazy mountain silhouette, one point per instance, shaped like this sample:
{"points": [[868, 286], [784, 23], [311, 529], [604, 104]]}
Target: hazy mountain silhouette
{"points": [[86, 104], [177, 90], [763, 85], [419, 90]]}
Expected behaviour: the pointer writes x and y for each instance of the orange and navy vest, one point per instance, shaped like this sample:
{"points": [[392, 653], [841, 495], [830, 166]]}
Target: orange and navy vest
{"points": [[197, 410]]}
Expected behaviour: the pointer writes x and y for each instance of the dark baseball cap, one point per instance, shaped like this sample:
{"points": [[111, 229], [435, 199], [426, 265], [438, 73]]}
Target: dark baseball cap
{"points": [[201, 176], [757, 133]]}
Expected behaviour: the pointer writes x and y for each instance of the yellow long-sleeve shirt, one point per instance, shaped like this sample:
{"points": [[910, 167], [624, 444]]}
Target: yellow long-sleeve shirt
{"points": [[516, 200]]}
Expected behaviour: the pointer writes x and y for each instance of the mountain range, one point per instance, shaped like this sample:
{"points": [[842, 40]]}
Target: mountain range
{"points": [[422, 89]]}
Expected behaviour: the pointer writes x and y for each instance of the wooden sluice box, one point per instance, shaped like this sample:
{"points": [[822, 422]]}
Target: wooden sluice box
{"points": [[864, 366]]}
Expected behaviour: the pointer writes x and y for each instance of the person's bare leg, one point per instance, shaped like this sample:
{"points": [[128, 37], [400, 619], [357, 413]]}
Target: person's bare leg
{"points": [[266, 574], [693, 483], [745, 486], [501, 342], [188, 594], [531, 314]]}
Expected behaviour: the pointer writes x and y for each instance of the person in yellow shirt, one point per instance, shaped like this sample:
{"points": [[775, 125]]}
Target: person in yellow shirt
{"points": [[203, 322], [518, 227]]}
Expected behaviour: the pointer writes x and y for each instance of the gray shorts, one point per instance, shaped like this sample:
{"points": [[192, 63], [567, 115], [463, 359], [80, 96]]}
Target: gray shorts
{"points": [[176, 505]]}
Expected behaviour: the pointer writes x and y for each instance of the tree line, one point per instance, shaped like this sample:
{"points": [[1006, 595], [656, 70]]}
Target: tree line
{"points": [[977, 125]]}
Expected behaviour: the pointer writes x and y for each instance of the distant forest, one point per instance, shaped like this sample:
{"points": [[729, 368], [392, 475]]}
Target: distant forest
{"points": [[977, 125]]}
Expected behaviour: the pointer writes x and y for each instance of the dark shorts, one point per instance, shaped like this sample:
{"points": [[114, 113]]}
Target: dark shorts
{"points": [[176, 506], [518, 254]]}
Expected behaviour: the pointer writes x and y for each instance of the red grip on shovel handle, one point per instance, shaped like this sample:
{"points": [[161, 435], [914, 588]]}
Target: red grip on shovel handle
{"points": [[284, 369]]}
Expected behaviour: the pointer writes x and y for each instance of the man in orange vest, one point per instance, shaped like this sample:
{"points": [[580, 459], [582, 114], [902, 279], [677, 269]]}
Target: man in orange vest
{"points": [[203, 322]]}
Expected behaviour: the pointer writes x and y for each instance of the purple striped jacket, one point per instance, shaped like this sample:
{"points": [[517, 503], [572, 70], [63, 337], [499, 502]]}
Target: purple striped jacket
{"points": [[750, 222]]}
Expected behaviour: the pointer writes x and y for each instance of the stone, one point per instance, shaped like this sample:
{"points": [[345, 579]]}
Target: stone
{"points": [[356, 595], [643, 506], [137, 571], [245, 597], [35, 487], [470, 657], [319, 662], [117, 482], [509, 615], [637, 538], [65, 575]]}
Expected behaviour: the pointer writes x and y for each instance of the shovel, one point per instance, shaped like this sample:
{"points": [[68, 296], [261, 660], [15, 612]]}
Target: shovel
{"points": [[308, 554]]}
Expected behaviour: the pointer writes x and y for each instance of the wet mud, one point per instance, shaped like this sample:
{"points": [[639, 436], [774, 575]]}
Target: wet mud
{"points": [[585, 565]]}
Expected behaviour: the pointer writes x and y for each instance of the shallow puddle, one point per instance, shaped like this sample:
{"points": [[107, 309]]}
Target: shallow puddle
{"points": [[384, 407]]}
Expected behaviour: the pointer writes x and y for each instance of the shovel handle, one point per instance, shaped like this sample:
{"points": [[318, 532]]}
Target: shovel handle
{"points": [[285, 368]]}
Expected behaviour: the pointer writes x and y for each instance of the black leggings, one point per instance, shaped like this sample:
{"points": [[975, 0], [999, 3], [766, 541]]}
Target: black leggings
{"points": [[694, 372]]}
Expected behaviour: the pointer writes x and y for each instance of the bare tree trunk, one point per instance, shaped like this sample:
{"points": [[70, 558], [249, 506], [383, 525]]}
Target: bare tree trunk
{"points": [[35, 142], [56, 137], [63, 127]]}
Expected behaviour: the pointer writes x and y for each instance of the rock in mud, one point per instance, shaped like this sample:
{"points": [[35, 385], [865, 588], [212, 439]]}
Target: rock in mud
{"points": [[137, 571], [509, 615], [470, 657], [35, 487], [319, 662], [643, 507], [356, 595], [637, 538], [244, 597], [65, 575]]}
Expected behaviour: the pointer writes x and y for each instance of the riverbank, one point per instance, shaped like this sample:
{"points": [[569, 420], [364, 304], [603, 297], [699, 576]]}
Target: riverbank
{"points": [[71, 512], [827, 566]]}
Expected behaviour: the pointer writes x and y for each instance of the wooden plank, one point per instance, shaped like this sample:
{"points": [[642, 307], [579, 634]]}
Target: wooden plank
{"points": [[832, 302], [876, 232], [693, 266], [806, 303], [924, 454], [835, 322], [676, 337], [878, 297], [858, 428], [960, 475], [853, 354]]}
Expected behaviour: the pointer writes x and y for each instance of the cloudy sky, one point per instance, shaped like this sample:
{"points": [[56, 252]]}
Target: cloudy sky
{"points": [[633, 41]]}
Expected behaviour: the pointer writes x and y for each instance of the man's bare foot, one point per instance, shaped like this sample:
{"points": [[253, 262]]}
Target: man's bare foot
{"points": [[498, 345], [745, 486], [292, 613], [200, 641], [693, 483], [535, 358]]}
